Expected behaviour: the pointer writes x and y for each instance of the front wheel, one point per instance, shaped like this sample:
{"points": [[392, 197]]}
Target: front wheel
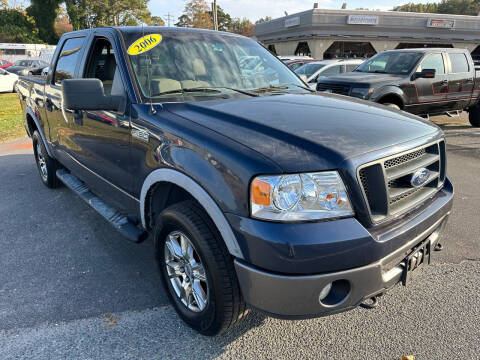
{"points": [[196, 269], [474, 116], [392, 106]]}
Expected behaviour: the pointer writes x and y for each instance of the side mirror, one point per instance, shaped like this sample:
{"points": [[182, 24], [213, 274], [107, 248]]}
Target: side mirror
{"points": [[425, 74], [87, 94], [304, 78]]}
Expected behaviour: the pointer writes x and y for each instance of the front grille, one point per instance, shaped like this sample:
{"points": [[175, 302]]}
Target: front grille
{"points": [[334, 88], [386, 183]]}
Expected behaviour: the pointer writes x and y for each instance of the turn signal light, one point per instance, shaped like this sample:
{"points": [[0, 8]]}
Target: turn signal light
{"points": [[260, 192]]}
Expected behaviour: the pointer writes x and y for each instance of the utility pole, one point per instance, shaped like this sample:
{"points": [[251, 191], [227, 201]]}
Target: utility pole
{"points": [[169, 17], [215, 15]]}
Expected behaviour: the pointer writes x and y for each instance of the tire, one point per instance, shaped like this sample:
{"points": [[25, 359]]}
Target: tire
{"points": [[474, 116], [224, 304], [393, 106], [14, 89], [47, 166]]}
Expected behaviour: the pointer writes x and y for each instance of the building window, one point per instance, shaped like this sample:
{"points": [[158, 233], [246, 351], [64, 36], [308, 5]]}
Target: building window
{"points": [[302, 49], [349, 50], [422, 45], [271, 47], [476, 55]]}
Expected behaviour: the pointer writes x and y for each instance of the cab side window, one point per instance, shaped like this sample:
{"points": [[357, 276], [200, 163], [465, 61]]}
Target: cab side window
{"points": [[459, 63], [433, 61], [103, 66], [333, 70], [67, 60]]}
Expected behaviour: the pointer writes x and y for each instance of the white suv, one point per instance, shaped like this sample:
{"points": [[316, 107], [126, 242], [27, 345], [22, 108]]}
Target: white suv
{"points": [[323, 68]]}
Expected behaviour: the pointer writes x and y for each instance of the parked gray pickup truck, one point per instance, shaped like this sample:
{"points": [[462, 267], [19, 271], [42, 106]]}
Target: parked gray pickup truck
{"points": [[256, 191]]}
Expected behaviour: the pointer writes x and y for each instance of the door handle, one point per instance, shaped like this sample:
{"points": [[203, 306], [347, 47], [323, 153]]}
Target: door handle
{"points": [[444, 82], [469, 81], [78, 117]]}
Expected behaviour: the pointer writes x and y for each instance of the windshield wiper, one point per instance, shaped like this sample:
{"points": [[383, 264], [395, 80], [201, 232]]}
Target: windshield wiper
{"points": [[279, 87], [203, 89]]}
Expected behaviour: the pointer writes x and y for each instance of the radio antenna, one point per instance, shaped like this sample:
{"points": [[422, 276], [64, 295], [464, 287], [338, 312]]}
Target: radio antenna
{"points": [[148, 60]]}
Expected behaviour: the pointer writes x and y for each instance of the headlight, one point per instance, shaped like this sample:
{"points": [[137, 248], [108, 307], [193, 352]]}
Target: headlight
{"points": [[362, 93], [299, 197]]}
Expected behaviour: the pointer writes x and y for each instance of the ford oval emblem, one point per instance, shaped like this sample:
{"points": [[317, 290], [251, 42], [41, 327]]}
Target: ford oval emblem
{"points": [[420, 177]]}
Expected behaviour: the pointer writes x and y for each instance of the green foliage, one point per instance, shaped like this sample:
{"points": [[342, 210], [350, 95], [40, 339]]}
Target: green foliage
{"points": [[266, 18], [224, 20], [96, 13], [242, 26], [196, 14], [458, 7], [16, 26], [44, 12]]}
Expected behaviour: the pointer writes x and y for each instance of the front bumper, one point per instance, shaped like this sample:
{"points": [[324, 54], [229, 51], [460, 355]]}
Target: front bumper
{"points": [[297, 296]]}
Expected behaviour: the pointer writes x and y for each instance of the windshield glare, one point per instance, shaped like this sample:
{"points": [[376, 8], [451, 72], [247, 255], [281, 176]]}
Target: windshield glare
{"points": [[391, 63], [185, 60], [309, 69]]}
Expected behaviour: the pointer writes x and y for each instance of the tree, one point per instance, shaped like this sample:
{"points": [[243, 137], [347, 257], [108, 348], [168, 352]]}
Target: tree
{"points": [[17, 27], [224, 20], [197, 15], [44, 12], [156, 21], [242, 26], [95, 13], [459, 7], [266, 18]]}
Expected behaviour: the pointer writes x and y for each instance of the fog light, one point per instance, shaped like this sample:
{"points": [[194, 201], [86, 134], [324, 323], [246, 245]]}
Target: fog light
{"points": [[324, 292]]}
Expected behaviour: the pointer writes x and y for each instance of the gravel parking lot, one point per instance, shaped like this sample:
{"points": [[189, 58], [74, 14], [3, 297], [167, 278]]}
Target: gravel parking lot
{"points": [[71, 287]]}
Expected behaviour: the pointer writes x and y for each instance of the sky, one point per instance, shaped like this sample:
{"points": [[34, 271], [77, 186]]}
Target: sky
{"points": [[255, 9]]}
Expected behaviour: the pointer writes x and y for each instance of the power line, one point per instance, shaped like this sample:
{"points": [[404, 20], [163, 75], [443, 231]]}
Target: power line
{"points": [[169, 17]]}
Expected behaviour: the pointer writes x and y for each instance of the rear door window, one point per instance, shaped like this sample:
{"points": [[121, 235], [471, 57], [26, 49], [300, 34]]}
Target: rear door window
{"points": [[459, 63], [332, 70], [433, 61], [67, 60]]}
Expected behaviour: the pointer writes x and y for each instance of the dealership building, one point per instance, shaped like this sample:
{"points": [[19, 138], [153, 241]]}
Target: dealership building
{"points": [[327, 34]]}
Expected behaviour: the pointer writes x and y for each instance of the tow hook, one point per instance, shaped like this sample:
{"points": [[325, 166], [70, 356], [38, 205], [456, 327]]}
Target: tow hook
{"points": [[438, 247], [371, 302]]}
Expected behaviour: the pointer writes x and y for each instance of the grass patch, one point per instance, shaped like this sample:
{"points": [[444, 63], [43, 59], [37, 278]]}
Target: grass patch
{"points": [[11, 119]]}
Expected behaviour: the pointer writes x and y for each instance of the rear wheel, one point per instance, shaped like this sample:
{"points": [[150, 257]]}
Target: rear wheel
{"points": [[47, 166], [474, 116], [197, 270]]}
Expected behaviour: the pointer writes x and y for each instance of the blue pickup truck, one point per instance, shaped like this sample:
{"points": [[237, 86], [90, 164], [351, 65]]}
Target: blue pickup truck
{"points": [[257, 191]]}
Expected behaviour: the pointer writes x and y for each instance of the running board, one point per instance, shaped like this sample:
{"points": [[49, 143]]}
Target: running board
{"points": [[453, 113], [112, 215]]}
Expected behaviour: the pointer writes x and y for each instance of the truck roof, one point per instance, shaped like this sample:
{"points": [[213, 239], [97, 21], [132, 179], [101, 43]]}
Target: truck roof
{"points": [[431, 49], [147, 29]]}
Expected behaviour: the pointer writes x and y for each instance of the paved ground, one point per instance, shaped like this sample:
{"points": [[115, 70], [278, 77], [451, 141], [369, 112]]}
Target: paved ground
{"points": [[70, 287]]}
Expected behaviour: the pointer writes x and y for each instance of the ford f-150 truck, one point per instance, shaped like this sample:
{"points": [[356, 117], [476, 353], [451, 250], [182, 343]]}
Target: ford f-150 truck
{"points": [[421, 81], [258, 192]]}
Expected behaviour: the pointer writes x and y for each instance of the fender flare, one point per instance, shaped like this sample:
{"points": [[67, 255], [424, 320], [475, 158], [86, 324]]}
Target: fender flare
{"points": [[390, 90], [30, 112], [193, 188]]}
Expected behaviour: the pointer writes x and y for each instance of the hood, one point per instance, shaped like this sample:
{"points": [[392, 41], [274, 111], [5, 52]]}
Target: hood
{"points": [[357, 77], [305, 132], [15, 69]]}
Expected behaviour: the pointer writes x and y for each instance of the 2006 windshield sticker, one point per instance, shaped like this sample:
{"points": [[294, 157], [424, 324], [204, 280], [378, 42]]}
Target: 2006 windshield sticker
{"points": [[144, 44]]}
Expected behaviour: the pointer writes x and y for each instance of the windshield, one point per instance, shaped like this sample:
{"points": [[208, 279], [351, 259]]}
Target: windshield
{"points": [[309, 69], [25, 63], [180, 60], [392, 62]]}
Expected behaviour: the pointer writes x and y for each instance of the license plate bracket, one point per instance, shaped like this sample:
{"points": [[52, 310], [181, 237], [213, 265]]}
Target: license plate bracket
{"points": [[419, 256]]}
